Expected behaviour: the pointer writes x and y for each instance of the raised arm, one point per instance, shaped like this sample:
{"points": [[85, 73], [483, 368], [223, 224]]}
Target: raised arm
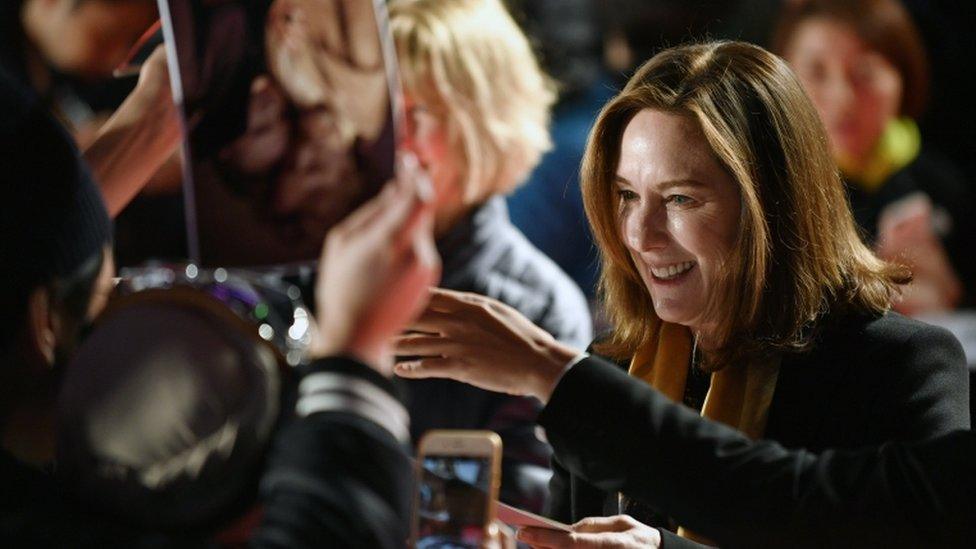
{"points": [[139, 137], [744, 493]]}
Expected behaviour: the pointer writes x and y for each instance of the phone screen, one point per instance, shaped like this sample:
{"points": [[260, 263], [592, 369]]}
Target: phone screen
{"points": [[453, 502]]}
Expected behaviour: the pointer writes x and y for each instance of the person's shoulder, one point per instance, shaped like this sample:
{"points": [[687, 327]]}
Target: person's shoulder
{"points": [[890, 333], [887, 327], [895, 326]]}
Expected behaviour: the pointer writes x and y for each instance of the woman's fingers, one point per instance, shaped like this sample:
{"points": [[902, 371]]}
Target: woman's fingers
{"points": [[617, 523], [431, 367], [437, 322], [466, 304], [423, 345]]}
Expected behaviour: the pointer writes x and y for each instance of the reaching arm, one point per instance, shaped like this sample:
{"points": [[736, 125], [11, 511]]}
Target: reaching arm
{"points": [[717, 482], [139, 137], [339, 475]]}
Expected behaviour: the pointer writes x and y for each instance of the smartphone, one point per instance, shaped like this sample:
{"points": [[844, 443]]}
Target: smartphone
{"points": [[458, 477]]}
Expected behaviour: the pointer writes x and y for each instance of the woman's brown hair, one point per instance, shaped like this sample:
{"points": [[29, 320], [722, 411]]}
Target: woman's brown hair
{"points": [[798, 255], [883, 25]]}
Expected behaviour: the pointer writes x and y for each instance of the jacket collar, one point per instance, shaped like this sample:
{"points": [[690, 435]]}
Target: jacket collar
{"points": [[474, 242]]}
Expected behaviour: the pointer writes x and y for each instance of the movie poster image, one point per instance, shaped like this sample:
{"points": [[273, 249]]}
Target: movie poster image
{"points": [[289, 121]]}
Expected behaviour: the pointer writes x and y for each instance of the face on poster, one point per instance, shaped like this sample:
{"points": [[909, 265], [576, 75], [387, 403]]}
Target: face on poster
{"points": [[288, 119]]}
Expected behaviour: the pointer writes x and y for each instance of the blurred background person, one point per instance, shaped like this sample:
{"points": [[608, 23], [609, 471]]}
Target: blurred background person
{"points": [[66, 50], [477, 109], [548, 208], [55, 241], [864, 66]]}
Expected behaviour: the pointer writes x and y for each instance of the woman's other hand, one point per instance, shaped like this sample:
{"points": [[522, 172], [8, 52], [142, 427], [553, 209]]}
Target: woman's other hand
{"points": [[621, 532], [375, 271], [480, 341]]}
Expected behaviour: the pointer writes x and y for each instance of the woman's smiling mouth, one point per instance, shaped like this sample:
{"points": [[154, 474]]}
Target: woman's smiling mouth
{"points": [[670, 272]]}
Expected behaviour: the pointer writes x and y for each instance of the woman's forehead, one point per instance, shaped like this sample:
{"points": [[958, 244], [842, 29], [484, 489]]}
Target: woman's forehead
{"points": [[661, 149]]}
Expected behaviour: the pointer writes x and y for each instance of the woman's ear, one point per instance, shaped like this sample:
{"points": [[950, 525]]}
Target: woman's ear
{"points": [[42, 327]]}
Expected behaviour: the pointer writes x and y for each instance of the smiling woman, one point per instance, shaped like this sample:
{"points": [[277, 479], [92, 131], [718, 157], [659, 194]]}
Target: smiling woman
{"points": [[735, 279], [770, 235]]}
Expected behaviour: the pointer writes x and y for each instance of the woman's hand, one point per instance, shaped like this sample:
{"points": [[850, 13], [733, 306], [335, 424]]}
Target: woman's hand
{"points": [[375, 271], [620, 531], [480, 341]]}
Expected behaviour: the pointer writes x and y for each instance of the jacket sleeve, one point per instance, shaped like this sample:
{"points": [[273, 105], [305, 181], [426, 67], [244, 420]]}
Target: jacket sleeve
{"points": [[339, 474], [739, 492], [930, 396], [559, 506]]}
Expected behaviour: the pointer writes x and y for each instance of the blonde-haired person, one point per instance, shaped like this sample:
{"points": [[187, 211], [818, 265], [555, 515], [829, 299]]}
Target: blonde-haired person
{"points": [[477, 108], [736, 283]]}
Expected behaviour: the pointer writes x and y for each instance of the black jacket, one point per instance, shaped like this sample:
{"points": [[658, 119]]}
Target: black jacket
{"points": [[487, 255], [743, 493], [865, 381]]}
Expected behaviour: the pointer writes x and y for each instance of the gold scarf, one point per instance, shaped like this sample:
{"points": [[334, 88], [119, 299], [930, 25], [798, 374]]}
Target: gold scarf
{"points": [[738, 396]]}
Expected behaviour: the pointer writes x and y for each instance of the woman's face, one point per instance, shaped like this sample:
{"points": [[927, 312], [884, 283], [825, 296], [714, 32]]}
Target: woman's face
{"points": [[678, 213], [426, 137], [855, 89]]}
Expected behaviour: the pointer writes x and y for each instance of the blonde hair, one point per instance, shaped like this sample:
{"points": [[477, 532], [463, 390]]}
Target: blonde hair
{"points": [[469, 60], [798, 256]]}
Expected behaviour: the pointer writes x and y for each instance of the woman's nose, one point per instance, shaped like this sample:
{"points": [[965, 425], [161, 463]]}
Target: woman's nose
{"points": [[646, 229]]}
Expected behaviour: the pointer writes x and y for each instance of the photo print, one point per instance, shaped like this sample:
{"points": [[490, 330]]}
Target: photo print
{"points": [[289, 121]]}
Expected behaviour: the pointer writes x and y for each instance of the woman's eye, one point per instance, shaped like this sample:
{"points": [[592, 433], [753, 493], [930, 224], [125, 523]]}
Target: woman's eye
{"points": [[626, 195], [679, 200]]}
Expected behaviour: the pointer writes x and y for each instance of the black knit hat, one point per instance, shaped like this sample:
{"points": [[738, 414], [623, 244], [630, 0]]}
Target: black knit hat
{"points": [[169, 429], [52, 217]]}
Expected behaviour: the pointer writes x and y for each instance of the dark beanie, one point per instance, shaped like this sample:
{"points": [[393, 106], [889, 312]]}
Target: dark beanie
{"points": [[52, 217], [164, 414]]}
